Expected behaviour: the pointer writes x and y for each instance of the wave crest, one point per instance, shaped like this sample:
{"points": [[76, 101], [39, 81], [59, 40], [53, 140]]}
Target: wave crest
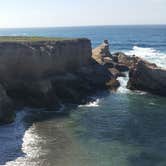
{"points": [[149, 54]]}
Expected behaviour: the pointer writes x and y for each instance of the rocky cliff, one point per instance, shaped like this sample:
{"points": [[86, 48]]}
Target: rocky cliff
{"points": [[19, 59], [47, 73]]}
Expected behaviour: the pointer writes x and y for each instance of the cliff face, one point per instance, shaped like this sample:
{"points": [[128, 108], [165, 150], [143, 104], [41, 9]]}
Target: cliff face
{"points": [[21, 60], [49, 73]]}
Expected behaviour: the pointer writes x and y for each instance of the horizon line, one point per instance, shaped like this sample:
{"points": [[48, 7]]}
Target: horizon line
{"points": [[70, 26]]}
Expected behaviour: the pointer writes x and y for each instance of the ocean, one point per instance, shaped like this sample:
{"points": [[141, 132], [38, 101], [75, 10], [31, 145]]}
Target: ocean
{"points": [[123, 128]]}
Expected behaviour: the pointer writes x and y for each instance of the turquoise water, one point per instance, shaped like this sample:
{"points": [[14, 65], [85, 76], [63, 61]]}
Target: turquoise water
{"points": [[124, 129], [118, 129]]}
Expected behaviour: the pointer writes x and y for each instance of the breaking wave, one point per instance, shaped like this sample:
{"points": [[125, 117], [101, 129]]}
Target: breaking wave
{"points": [[149, 54]]}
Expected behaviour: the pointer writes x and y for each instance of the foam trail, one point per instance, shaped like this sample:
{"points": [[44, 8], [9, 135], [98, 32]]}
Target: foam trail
{"points": [[123, 84]]}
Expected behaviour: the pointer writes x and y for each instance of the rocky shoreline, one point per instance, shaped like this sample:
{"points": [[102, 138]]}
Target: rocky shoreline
{"points": [[143, 75], [47, 74]]}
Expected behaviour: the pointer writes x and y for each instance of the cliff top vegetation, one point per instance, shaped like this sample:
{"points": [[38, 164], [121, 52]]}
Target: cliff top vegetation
{"points": [[29, 39]]}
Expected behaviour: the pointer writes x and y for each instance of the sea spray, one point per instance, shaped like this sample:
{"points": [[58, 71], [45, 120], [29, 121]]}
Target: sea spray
{"points": [[123, 84], [150, 54]]}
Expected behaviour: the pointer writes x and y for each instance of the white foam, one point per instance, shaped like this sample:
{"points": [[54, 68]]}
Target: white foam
{"points": [[91, 104], [151, 103], [18, 34], [123, 84], [30, 148], [149, 54]]}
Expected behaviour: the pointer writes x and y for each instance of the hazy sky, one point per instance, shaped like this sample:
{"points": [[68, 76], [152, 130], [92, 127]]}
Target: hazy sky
{"points": [[43, 13]]}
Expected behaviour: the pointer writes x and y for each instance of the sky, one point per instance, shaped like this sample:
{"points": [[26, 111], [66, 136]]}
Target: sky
{"points": [[53, 13]]}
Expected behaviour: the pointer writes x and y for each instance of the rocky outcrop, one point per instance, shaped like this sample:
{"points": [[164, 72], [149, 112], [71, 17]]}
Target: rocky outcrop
{"points": [[115, 63], [148, 77], [124, 62], [142, 74], [49, 73], [101, 52], [103, 57]]}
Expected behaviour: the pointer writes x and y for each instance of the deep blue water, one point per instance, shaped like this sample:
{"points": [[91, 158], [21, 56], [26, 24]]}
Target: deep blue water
{"points": [[121, 37], [125, 128]]}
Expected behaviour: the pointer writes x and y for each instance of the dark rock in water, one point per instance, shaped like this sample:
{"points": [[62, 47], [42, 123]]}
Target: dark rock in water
{"points": [[148, 77], [6, 107], [142, 74]]}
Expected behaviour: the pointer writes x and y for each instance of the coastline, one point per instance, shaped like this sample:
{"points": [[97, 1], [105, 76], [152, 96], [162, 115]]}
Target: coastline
{"points": [[113, 124]]}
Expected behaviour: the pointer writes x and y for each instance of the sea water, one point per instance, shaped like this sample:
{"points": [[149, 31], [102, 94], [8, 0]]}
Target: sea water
{"points": [[123, 128]]}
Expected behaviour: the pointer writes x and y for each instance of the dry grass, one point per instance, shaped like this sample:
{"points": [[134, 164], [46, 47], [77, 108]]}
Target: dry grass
{"points": [[29, 39]]}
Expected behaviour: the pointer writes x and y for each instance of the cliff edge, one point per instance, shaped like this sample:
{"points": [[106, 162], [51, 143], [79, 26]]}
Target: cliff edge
{"points": [[47, 72]]}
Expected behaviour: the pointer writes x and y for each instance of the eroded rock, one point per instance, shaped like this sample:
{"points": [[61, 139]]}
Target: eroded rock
{"points": [[148, 77], [124, 60], [101, 52]]}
